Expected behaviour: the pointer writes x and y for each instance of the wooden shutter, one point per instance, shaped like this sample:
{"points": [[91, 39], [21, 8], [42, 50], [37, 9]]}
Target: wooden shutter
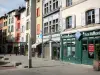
{"points": [[83, 19], [64, 23], [97, 15], [73, 21], [38, 29], [63, 3]]}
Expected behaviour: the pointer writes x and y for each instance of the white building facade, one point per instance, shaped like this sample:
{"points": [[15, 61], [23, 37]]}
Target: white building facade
{"points": [[81, 26], [51, 28], [23, 27]]}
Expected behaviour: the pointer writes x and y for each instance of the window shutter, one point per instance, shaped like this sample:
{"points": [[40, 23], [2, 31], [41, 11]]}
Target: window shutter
{"points": [[64, 23], [63, 3], [73, 21], [97, 15], [83, 19]]}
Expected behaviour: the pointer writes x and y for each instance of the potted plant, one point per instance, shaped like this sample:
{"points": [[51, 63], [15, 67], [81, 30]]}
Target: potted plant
{"points": [[96, 63]]}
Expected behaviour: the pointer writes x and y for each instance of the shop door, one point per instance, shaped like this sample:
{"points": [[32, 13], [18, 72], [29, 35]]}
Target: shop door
{"points": [[88, 50]]}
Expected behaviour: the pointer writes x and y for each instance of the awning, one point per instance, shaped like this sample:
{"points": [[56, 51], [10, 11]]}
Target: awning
{"points": [[36, 44]]}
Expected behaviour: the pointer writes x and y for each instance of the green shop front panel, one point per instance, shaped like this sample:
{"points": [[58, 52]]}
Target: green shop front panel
{"points": [[70, 50]]}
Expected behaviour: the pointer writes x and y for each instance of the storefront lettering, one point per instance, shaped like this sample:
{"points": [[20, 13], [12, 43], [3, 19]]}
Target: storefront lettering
{"points": [[67, 36], [92, 33]]}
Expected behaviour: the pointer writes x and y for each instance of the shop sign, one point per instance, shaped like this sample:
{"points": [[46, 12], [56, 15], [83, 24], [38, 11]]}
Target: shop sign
{"points": [[68, 36], [94, 33], [91, 47]]}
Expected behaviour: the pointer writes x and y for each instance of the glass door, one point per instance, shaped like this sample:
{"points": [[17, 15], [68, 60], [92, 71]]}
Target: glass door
{"points": [[84, 50], [91, 49], [88, 48]]}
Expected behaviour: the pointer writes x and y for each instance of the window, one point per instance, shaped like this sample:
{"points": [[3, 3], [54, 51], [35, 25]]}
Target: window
{"points": [[9, 29], [27, 11], [53, 26], [68, 2], [38, 12], [27, 25], [6, 23], [50, 26], [50, 6], [46, 28], [27, 37], [46, 8], [18, 18], [22, 39], [12, 28], [12, 20], [69, 22], [90, 16], [18, 37], [9, 21], [22, 28], [55, 4], [38, 29], [38, 1], [18, 26]]}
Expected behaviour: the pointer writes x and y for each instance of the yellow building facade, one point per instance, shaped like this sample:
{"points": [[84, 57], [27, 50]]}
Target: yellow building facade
{"points": [[38, 20]]}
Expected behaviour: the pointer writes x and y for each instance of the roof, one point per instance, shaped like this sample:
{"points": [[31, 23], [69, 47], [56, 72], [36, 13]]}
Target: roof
{"points": [[11, 11], [2, 17]]}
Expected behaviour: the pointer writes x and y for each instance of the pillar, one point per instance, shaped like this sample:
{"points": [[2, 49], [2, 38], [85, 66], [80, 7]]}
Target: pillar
{"points": [[50, 45]]}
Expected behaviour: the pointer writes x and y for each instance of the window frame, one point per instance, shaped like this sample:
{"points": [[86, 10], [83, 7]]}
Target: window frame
{"points": [[68, 19], [90, 13], [68, 3]]}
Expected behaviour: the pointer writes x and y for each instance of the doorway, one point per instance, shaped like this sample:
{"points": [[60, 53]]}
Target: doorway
{"points": [[88, 49]]}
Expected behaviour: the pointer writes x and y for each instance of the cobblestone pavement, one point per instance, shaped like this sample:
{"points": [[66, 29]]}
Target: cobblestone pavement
{"points": [[49, 67]]}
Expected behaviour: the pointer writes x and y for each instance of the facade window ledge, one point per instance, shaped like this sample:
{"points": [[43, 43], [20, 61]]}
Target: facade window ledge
{"points": [[69, 29], [52, 33], [75, 3], [91, 25], [52, 12]]}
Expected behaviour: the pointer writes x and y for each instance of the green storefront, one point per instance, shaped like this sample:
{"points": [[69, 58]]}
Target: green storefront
{"points": [[79, 50]]}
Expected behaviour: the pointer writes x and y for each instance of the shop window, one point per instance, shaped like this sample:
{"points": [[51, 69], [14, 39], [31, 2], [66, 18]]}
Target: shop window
{"points": [[90, 16], [91, 47], [68, 2], [69, 48], [84, 45], [69, 22]]}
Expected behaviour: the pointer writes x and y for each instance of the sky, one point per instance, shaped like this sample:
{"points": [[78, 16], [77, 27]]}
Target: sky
{"points": [[8, 5]]}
